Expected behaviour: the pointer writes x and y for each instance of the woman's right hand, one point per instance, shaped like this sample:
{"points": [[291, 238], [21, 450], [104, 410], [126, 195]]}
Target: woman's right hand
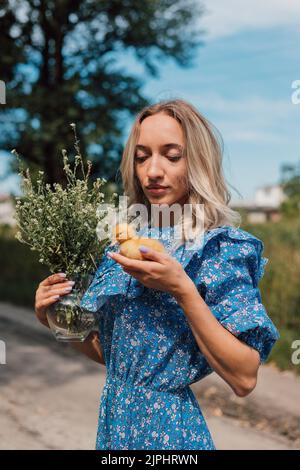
{"points": [[48, 292]]}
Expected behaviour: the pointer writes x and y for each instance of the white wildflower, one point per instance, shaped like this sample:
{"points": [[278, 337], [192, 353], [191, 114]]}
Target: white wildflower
{"points": [[60, 223]]}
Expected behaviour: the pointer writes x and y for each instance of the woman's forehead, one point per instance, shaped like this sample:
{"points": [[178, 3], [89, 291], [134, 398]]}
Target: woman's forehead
{"points": [[160, 128]]}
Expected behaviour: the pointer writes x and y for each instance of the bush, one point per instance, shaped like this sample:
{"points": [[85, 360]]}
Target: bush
{"points": [[21, 270], [280, 284]]}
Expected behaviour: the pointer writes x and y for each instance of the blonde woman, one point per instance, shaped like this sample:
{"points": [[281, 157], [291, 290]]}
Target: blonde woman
{"points": [[174, 317]]}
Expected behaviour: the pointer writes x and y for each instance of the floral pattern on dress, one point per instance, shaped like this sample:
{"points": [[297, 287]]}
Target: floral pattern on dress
{"points": [[150, 352]]}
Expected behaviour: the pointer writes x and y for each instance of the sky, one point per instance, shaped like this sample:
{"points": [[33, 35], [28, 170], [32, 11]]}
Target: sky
{"points": [[241, 80]]}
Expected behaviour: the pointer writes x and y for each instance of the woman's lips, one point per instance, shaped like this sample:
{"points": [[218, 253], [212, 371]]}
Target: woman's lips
{"points": [[157, 190]]}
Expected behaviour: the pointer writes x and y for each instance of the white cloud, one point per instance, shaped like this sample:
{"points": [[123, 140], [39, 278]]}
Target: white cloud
{"points": [[228, 17], [250, 119], [246, 105]]}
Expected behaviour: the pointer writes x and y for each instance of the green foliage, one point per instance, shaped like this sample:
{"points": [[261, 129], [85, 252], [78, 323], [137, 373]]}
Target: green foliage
{"points": [[290, 180], [60, 223], [280, 284], [21, 271], [282, 351]]}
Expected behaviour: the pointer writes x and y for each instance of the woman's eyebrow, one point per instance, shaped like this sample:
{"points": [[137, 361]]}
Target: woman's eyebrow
{"points": [[162, 147]]}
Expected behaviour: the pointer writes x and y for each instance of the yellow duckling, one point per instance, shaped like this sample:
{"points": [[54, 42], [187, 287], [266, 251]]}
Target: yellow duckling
{"points": [[130, 242]]}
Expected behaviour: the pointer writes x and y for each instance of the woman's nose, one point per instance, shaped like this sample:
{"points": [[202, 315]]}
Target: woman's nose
{"points": [[154, 168]]}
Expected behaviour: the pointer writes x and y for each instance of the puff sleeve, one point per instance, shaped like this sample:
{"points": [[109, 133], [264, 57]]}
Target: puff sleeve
{"points": [[109, 281], [231, 269]]}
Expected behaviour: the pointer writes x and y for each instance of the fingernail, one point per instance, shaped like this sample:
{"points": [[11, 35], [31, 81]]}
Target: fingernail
{"points": [[109, 253], [55, 297], [71, 283], [62, 274], [143, 249]]}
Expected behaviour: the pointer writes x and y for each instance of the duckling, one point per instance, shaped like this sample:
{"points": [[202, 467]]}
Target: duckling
{"points": [[130, 242]]}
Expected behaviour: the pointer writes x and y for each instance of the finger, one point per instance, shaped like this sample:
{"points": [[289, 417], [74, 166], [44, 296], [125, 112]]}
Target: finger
{"points": [[57, 290], [62, 285], [151, 254], [141, 267], [53, 279], [129, 262], [44, 303], [48, 292]]}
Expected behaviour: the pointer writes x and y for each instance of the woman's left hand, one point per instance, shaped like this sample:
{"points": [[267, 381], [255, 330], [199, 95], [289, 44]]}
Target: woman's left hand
{"points": [[161, 271]]}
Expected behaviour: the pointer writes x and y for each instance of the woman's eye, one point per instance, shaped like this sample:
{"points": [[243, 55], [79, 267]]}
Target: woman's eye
{"points": [[140, 159], [174, 158]]}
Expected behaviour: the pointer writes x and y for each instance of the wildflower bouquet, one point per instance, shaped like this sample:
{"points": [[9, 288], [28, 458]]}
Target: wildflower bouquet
{"points": [[60, 224]]}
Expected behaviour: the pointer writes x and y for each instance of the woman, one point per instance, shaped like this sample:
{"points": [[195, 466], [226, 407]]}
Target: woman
{"points": [[169, 320]]}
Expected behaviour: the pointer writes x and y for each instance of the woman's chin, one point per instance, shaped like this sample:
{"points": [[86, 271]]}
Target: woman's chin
{"points": [[160, 199]]}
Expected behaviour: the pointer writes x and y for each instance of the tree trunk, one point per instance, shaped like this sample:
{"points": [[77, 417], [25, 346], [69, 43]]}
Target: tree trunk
{"points": [[53, 165]]}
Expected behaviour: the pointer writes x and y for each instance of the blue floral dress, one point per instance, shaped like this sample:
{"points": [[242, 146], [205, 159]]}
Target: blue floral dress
{"points": [[149, 349]]}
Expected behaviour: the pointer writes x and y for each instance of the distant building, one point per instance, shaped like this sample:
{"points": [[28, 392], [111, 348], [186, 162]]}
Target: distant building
{"points": [[7, 210], [265, 205]]}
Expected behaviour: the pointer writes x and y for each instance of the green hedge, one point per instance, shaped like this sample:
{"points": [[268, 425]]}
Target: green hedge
{"points": [[280, 286], [20, 270]]}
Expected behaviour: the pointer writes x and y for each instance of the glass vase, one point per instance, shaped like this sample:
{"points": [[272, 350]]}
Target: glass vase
{"points": [[67, 320]]}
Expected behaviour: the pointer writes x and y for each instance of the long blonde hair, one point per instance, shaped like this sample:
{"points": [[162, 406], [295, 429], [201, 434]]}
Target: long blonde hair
{"points": [[204, 154]]}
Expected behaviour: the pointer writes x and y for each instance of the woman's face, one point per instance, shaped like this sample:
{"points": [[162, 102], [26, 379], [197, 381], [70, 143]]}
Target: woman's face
{"points": [[159, 160]]}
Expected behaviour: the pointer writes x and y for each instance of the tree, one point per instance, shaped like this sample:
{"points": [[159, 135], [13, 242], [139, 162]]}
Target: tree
{"points": [[59, 62], [290, 180]]}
